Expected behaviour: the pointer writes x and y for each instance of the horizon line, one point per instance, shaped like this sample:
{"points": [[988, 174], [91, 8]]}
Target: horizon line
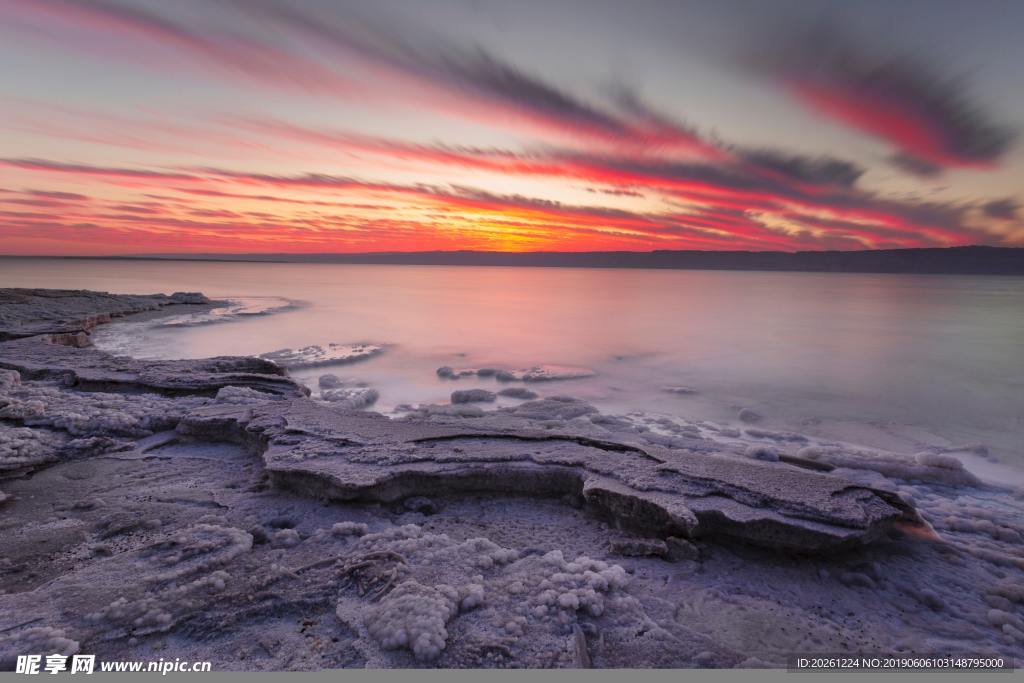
{"points": [[185, 255], [961, 260]]}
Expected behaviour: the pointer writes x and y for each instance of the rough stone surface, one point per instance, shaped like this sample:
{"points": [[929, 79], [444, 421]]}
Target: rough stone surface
{"points": [[473, 396], [308, 448], [31, 312], [85, 368]]}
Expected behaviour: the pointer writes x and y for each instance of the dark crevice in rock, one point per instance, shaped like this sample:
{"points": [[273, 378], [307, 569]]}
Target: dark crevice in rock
{"points": [[612, 446]]}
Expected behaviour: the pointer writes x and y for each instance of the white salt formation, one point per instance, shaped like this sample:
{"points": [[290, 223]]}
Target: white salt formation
{"points": [[229, 310], [332, 354], [537, 373]]}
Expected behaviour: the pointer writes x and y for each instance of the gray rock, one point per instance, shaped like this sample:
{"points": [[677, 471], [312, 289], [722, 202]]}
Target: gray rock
{"points": [[749, 416], [259, 534], [89, 369], [760, 452], [69, 314], [329, 381], [473, 396], [638, 547], [350, 398], [681, 549], [419, 504], [189, 298], [310, 449], [447, 372], [518, 392], [316, 355]]}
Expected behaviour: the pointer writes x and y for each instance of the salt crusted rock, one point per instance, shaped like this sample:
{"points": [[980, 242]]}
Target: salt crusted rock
{"points": [[242, 395], [430, 582], [24, 449], [349, 529], [95, 413], [89, 369], [41, 640], [350, 398], [133, 593], [413, 616], [544, 373], [69, 313], [310, 449], [332, 354], [537, 373], [925, 467]]}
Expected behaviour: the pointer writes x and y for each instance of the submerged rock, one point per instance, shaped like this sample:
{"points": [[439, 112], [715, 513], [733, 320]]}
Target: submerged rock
{"points": [[329, 381], [332, 354], [350, 398], [473, 396], [518, 392], [448, 372], [544, 373], [679, 390], [749, 416], [537, 373]]}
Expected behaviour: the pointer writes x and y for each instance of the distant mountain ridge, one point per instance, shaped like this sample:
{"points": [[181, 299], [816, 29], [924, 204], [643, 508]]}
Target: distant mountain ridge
{"points": [[970, 260]]}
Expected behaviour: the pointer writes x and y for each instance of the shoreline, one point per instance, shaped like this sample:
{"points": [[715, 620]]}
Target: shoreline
{"points": [[231, 463]]}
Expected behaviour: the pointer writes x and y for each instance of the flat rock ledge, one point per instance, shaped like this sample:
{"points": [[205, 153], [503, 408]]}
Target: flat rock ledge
{"points": [[313, 450], [87, 369], [69, 314]]}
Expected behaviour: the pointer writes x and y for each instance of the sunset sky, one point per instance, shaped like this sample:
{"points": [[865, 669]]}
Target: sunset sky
{"points": [[145, 127]]}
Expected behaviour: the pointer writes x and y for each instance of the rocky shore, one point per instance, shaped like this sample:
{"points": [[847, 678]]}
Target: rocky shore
{"points": [[211, 509]]}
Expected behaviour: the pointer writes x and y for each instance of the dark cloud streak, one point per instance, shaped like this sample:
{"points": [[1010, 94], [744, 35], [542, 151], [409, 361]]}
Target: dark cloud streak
{"points": [[932, 120]]}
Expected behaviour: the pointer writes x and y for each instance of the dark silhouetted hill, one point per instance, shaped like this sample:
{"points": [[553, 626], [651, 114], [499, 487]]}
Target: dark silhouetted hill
{"points": [[972, 260]]}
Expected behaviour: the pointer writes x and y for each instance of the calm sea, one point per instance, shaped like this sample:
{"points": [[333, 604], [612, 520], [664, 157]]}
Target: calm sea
{"points": [[895, 361]]}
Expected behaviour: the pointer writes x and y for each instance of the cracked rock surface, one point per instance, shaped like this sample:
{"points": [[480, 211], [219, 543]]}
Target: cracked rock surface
{"points": [[32, 312], [306, 447]]}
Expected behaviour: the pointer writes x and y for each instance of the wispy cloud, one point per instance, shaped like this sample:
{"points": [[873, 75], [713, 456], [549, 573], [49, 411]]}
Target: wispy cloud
{"points": [[931, 119], [144, 30]]}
